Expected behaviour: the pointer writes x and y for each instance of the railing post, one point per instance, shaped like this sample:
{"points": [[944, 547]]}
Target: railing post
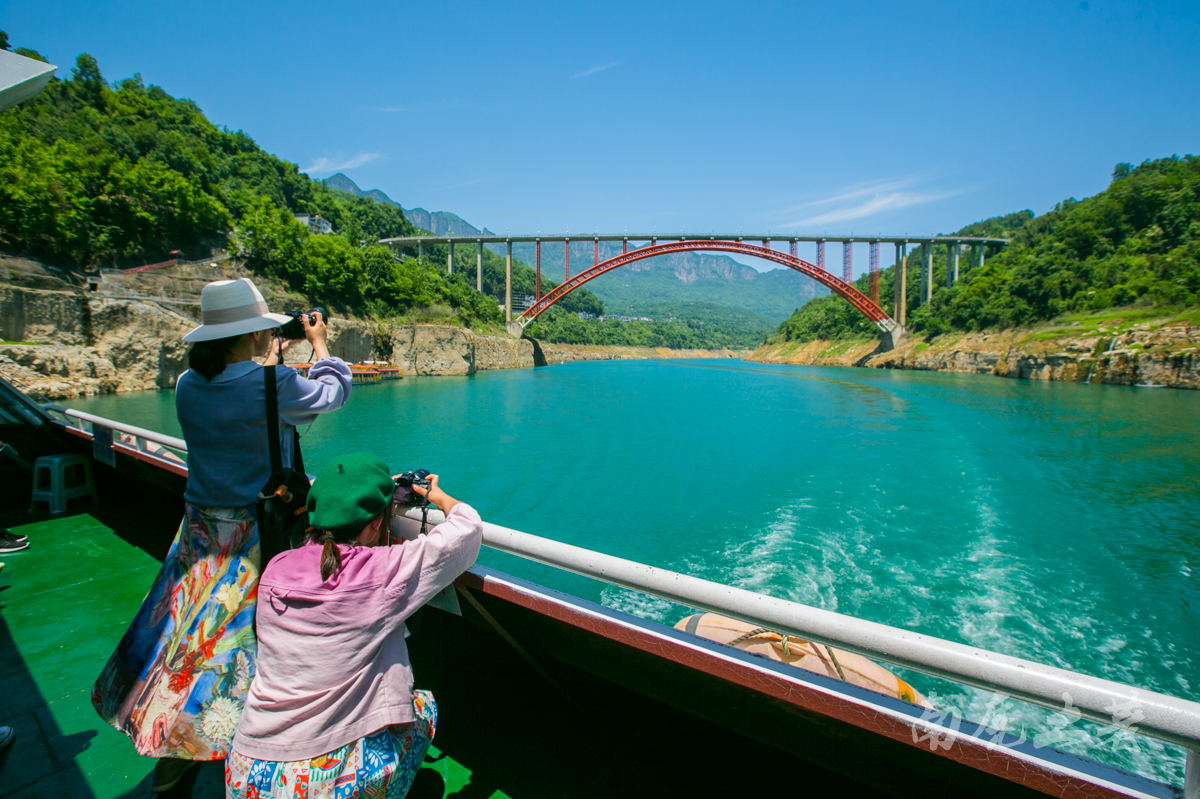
{"points": [[479, 266], [1191, 775], [508, 282]]}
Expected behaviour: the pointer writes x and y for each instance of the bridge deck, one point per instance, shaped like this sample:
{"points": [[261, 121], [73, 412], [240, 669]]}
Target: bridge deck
{"points": [[493, 239]]}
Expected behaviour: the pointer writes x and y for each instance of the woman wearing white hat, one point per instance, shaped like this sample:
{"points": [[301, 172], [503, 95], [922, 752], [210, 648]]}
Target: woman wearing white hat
{"points": [[178, 679]]}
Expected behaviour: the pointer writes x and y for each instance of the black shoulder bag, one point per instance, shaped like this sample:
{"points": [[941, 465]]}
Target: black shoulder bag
{"points": [[283, 501]]}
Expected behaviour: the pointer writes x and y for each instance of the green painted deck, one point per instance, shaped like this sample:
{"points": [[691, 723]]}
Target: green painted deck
{"points": [[64, 604]]}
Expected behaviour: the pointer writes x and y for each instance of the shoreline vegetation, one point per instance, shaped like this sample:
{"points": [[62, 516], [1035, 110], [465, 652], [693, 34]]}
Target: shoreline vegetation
{"points": [[1134, 247]]}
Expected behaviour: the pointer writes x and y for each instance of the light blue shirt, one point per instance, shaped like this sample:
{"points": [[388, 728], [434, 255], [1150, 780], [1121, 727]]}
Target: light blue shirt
{"points": [[224, 422]]}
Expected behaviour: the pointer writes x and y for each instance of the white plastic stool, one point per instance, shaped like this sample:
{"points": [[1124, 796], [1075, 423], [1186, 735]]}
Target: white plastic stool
{"points": [[57, 479]]}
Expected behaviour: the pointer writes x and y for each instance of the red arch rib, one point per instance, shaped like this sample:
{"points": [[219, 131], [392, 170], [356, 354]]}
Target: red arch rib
{"points": [[834, 283]]}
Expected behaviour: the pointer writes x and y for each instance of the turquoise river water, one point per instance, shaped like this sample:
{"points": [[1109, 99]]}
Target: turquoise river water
{"points": [[1053, 521]]}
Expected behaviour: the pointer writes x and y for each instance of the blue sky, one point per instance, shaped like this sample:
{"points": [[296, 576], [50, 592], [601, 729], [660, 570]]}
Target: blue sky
{"points": [[812, 117]]}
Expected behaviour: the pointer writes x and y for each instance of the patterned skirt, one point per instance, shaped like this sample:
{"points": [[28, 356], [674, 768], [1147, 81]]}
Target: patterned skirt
{"points": [[383, 764], [178, 680]]}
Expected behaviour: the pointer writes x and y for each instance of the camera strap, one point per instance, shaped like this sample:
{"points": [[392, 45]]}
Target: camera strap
{"points": [[273, 428]]}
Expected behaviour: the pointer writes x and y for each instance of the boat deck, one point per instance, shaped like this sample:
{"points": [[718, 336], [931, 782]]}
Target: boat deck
{"points": [[66, 601]]}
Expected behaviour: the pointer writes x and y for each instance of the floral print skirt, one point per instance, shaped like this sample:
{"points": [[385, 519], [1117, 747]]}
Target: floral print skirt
{"points": [[178, 680], [383, 764]]}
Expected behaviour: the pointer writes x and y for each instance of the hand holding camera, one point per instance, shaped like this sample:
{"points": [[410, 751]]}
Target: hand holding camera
{"points": [[297, 329], [421, 487], [310, 326]]}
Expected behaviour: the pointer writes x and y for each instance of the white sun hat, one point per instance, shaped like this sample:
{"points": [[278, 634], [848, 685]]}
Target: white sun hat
{"points": [[231, 308]]}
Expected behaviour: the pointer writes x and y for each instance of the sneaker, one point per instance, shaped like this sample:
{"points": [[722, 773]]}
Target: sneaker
{"points": [[10, 543], [4, 531], [6, 737]]}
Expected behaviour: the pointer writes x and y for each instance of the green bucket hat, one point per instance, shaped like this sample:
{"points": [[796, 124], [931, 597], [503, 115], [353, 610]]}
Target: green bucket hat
{"points": [[349, 492]]}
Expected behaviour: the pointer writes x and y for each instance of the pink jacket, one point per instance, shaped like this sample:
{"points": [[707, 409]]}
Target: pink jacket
{"points": [[332, 663]]}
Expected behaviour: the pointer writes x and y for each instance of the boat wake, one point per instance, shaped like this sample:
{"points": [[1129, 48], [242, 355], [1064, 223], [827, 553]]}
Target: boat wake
{"points": [[978, 592]]}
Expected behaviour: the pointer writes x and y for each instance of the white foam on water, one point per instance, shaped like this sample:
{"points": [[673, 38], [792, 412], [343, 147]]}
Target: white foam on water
{"points": [[997, 606], [641, 605], [1000, 609]]}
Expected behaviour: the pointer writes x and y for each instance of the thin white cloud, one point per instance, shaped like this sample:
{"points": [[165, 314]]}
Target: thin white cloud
{"points": [[861, 190], [593, 70], [872, 198], [335, 165]]}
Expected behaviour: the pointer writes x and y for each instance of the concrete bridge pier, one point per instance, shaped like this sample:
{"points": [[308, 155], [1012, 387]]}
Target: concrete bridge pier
{"points": [[892, 339], [927, 274], [479, 267], [900, 285], [449, 256], [420, 250], [508, 282], [952, 251]]}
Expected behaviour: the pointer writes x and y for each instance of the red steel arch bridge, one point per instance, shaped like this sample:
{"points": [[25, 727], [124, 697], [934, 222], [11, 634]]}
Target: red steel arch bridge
{"points": [[759, 246]]}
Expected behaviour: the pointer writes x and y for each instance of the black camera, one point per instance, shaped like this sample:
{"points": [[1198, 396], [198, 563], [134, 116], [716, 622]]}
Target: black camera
{"points": [[295, 328], [404, 494]]}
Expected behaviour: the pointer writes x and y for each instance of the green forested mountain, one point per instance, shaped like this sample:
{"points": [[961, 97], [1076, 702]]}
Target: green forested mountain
{"points": [[687, 325], [653, 285], [647, 288], [440, 223], [96, 175], [1135, 243]]}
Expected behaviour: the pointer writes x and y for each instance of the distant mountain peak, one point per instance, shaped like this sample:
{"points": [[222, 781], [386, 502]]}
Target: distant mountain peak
{"points": [[439, 223]]}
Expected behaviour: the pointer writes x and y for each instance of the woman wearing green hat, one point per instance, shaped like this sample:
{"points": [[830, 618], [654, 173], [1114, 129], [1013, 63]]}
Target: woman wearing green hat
{"points": [[345, 712]]}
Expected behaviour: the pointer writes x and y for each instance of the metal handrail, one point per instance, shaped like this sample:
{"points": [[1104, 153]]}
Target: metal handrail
{"points": [[1164, 717], [140, 433]]}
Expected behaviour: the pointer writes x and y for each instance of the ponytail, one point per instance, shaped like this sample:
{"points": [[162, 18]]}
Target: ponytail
{"points": [[331, 558]]}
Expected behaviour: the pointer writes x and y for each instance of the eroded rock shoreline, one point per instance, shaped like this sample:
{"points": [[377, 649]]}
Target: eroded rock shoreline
{"points": [[67, 344], [1145, 354], [62, 344]]}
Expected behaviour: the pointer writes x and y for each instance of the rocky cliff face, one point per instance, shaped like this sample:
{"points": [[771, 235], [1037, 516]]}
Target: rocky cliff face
{"points": [[427, 350], [64, 344], [82, 346], [1146, 354]]}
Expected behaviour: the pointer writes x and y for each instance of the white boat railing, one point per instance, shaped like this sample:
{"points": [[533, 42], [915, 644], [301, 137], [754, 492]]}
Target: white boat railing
{"points": [[1160, 716], [140, 438]]}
